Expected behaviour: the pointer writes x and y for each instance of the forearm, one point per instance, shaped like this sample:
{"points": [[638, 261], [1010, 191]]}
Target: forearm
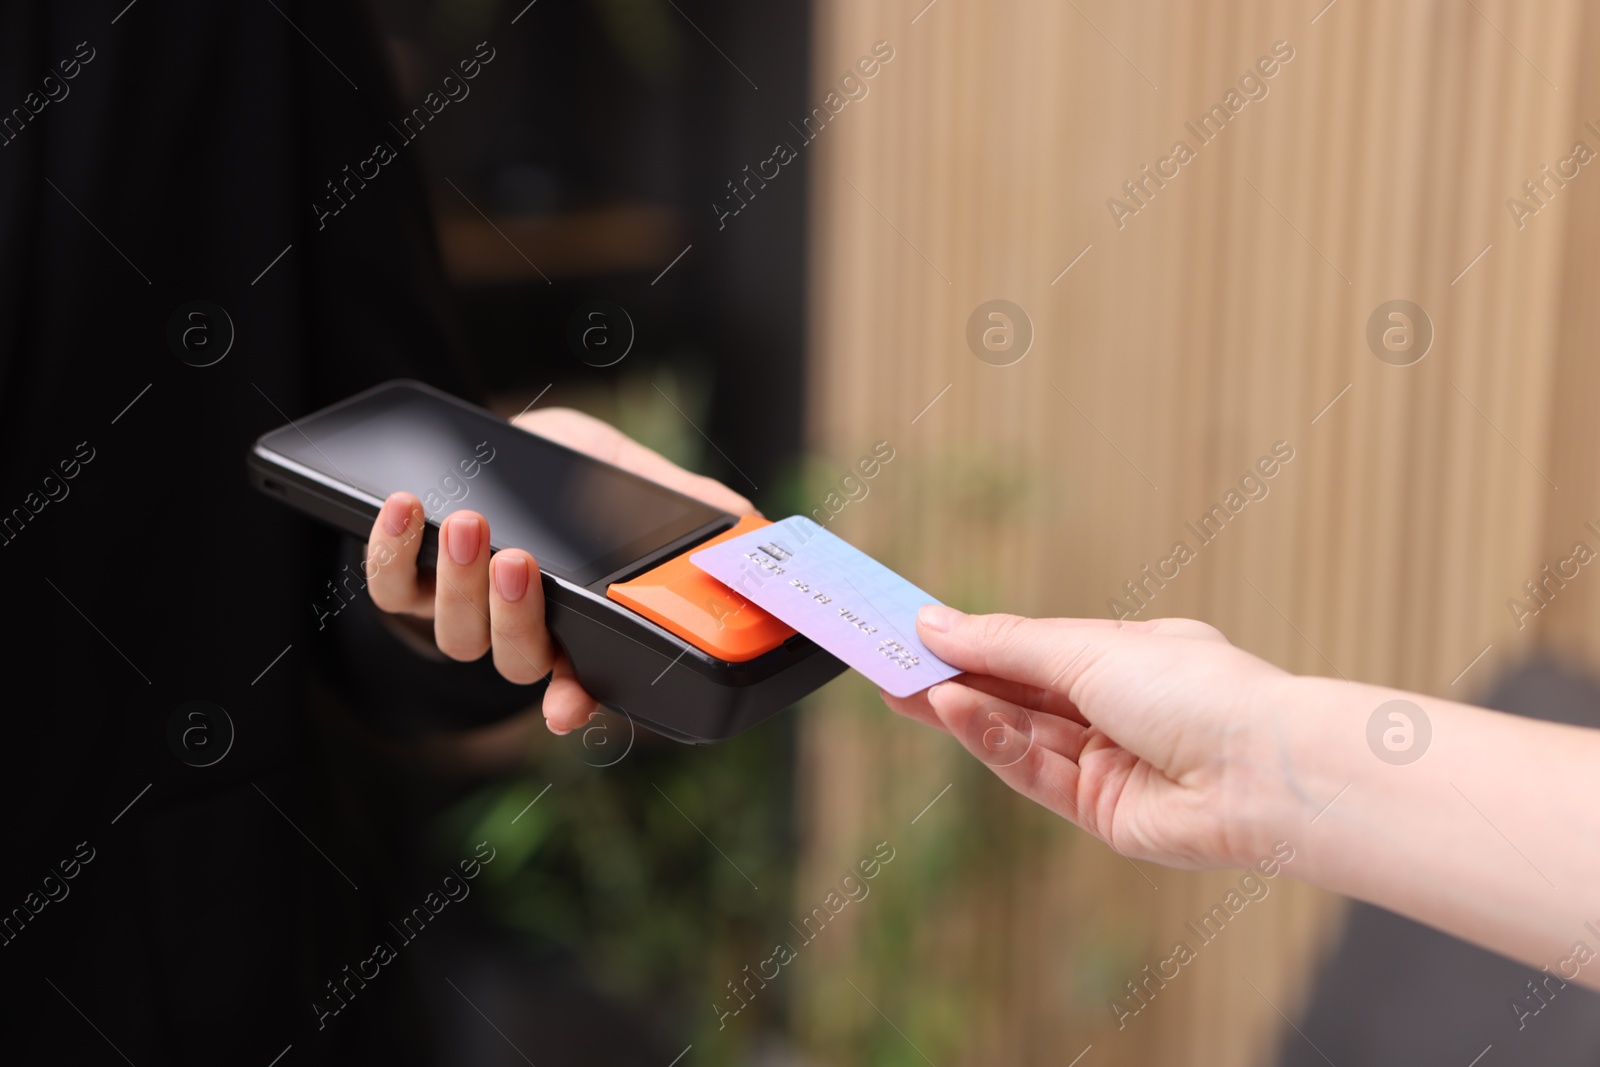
{"points": [[1493, 834]]}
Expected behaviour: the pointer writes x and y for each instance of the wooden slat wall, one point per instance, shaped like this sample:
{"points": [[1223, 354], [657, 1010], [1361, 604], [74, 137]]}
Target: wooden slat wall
{"points": [[1194, 338]]}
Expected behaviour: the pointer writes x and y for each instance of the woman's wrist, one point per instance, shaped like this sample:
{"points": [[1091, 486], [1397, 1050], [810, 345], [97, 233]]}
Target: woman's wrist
{"points": [[1301, 762], [1381, 790], [1402, 799]]}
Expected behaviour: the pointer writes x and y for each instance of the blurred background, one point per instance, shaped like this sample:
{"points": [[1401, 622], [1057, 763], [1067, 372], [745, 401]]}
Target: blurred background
{"points": [[1161, 335], [1174, 341]]}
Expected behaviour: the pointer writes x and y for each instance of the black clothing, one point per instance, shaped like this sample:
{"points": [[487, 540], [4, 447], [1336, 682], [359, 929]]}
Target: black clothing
{"points": [[151, 155]]}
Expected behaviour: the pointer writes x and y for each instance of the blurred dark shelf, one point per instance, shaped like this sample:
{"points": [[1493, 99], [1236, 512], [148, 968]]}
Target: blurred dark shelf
{"points": [[608, 240]]}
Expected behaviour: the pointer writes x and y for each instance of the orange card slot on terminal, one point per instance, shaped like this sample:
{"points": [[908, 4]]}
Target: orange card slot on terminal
{"points": [[682, 598]]}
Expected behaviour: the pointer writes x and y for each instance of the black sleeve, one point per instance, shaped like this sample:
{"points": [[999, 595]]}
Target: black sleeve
{"points": [[153, 154], [188, 150]]}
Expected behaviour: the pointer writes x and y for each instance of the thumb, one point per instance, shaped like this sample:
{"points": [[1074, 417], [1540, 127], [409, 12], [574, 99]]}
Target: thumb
{"points": [[1046, 653]]}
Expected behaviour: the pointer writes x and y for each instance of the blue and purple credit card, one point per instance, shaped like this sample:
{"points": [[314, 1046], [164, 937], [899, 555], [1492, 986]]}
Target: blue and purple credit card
{"points": [[835, 594]]}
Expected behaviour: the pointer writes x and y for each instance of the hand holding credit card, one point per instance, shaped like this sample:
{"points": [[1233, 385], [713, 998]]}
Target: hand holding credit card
{"points": [[840, 597]]}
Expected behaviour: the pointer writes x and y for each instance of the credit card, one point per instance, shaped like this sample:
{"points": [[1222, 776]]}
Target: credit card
{"points": [[835, 594]]}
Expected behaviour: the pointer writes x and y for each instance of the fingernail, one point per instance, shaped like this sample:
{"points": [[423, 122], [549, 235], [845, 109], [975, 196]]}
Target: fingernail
{"points": [[510, 577], [463, 537], [394, 515], [938, 617]]}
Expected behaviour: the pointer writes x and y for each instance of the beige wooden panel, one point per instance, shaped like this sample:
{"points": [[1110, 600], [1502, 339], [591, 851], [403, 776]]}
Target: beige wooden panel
{"points": [[1224, 316]]}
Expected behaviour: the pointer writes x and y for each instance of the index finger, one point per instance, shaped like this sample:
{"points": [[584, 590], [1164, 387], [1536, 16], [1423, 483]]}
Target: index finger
{"points": [[391, 569], [1033, 697]]}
